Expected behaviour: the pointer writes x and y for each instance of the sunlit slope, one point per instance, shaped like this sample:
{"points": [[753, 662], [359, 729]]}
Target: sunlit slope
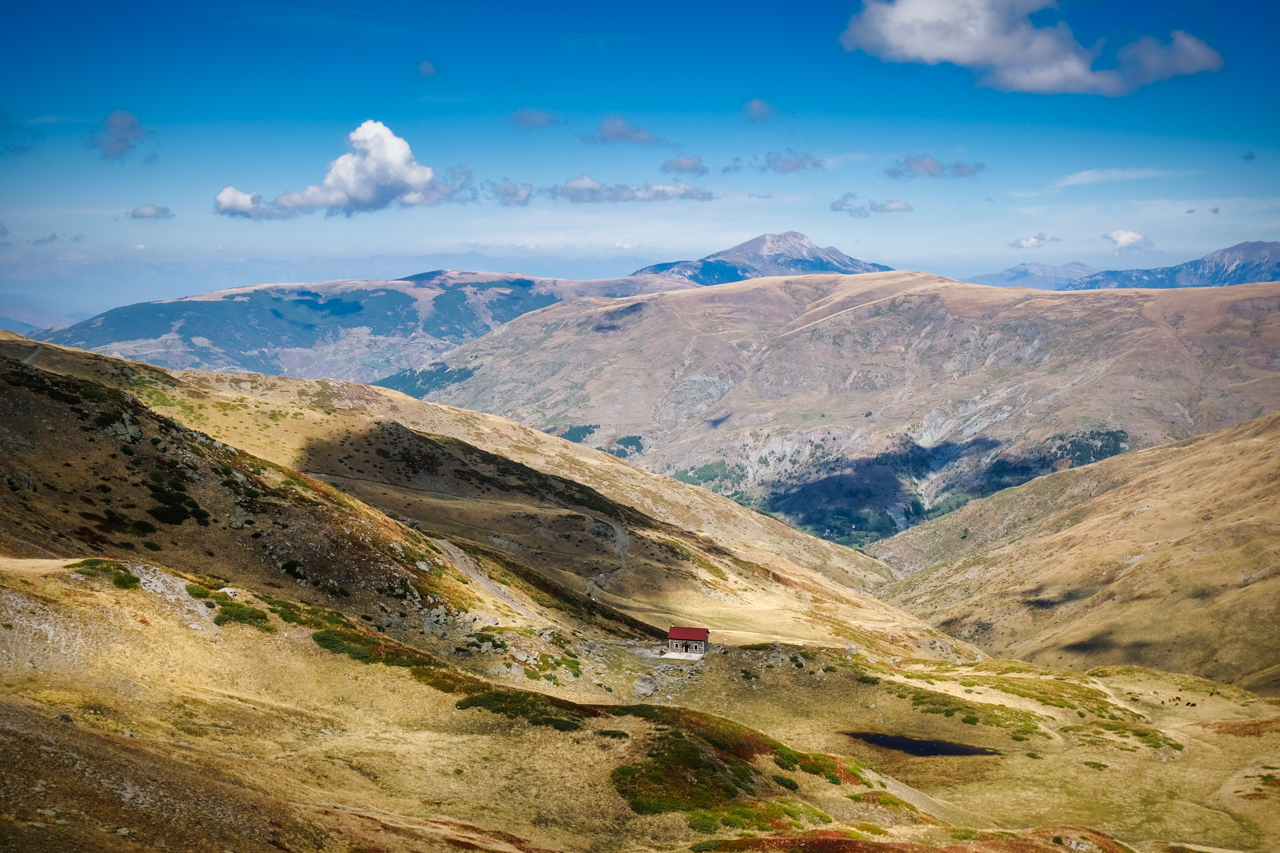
{"points": [[302, 728], [514, 518], [1167, 558], [841, 400]]}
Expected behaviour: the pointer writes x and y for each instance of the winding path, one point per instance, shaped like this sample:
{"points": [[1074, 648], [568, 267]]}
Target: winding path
{"points": [[464, 564]]}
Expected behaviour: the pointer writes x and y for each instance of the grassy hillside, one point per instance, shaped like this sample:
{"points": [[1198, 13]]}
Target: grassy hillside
{"points": [[376, 685], [856, 405], [1165, 558]]}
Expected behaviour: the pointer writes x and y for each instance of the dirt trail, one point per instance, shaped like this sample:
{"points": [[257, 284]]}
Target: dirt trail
{"points": [[468, 568]]}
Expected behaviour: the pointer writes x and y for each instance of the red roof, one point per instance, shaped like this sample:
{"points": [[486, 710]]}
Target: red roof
{"points": [[677, 633]]}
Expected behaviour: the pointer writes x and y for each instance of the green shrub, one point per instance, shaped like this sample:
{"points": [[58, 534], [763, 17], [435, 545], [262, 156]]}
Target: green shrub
{"points": [[245, 615], [868, 679], [703, 822], [704, 846], [786, 782], [197, 591], [1096, 765], [615, 734]]}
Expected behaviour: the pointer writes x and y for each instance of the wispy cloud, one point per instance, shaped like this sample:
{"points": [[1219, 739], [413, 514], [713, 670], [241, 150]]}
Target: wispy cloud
{"points": [[692, 165], [758, 110], [999, 42], [1104, 176], [1035, 241], [925, 165], [151, 211], [734, 166], [4, 232], [1248, 156], [533, 117], [587, 190], [792, 161], [509, 194], [426, 68], [119, 135], [1128, 241], [44, 241], [848, 203], [618, 129], [379, 170]]}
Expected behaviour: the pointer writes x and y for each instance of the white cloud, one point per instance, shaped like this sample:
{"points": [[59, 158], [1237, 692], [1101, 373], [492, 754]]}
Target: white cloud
{"points": [[618, 129], [510, 194], [925, 165], [1103, 176], [1035, 241], [691, 165], [426, 68], [1128, 241], [891, 206], [533, 117], [120, 133], [997, 40], [759, 110], [845, 204], [379, 170], [793, 161], [150, 211], [587, 190], [734, 166]]}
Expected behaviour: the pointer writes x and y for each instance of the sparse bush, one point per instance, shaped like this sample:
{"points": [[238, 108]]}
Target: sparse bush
{"points": [[245, 615], [786, 782]]}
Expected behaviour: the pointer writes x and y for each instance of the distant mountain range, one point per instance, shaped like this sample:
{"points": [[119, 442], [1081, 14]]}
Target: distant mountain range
{"points": [[791, 253], [350, 329], [1243, 263], [1038, 276], [367, 330]]}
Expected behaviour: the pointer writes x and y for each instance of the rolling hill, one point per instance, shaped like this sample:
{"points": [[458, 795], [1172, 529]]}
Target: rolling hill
{"points": [[1168, 557], [855, 406], [1038, 276]]}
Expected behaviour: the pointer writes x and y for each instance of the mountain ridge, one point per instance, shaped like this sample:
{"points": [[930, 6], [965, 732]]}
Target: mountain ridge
{"points": [[1243, 263], [788, 253], [1039, 276]]}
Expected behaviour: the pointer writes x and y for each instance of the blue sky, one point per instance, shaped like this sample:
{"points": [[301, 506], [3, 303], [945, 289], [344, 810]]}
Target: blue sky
{"points": [[955, 136]]}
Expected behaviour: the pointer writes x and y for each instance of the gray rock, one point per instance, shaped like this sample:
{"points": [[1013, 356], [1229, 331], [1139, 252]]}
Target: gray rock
{"points": [[644, 687]]}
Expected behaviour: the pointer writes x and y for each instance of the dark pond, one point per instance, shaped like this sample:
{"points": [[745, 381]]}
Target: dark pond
{"points": [[911, 746]]}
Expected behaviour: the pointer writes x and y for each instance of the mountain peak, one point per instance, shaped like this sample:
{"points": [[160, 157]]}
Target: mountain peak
{"points": [[788, 253], [1243, 263]]}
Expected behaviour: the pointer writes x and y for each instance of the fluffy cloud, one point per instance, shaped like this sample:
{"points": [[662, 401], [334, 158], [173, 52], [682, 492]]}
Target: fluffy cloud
{"points": [[533, 117], [690, 165], [510, 194], [587, 190], [847, 204], [1128, 241], [1248, 155], [150, 211], [793, 161], [735, 166], [1214, 210], [925, 165], [1035, 241], [426, 68], [618, 129], [997, 39], [119, 135], [44, 241], [758, 110], [1103, 176], [1191, 210], [379, 170]]}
